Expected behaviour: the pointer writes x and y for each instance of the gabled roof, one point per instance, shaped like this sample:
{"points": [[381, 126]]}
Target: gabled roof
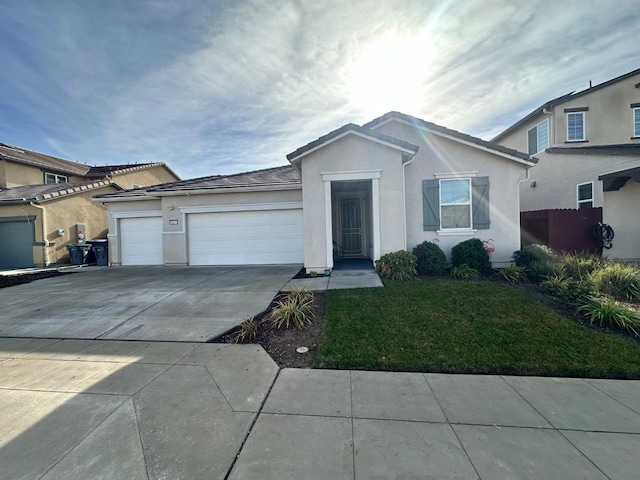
{"points": [[269, 178], [562, 99], [452, 134], [624, 149], [42, 193], [352, 129], [68, 167]]}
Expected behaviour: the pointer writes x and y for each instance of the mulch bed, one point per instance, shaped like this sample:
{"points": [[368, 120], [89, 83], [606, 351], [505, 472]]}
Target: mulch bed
{"points": [[281, 344]]}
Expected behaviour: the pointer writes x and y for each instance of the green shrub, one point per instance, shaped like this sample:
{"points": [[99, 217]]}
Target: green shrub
{"points": [[465, 272], [247, 332], [538, 271], [431, 260], [400, 265], [607, 311], [472, 253], [618, 280], [533, 253], [513, 273], [578, 265], [296, 308], [567, 288]]}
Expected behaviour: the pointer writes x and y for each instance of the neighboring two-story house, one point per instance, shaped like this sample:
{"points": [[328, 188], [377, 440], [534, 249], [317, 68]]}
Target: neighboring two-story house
{"points": [[588, 146], [45, 200]]}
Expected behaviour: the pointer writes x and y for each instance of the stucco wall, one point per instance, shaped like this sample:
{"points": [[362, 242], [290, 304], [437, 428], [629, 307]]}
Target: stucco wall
{"points": [[351, 154], [608, 121], [63, 214], [620, 211], [557, 175], [17, 174], [146, 177], [438, 155]]}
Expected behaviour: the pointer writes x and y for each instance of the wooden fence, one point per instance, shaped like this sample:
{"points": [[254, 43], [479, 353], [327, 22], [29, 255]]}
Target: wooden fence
{"points": [[562, 230]]}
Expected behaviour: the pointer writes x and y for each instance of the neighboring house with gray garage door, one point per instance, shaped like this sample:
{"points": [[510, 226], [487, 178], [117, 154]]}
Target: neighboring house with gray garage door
{"points": [[44, 198], [362, 190]]}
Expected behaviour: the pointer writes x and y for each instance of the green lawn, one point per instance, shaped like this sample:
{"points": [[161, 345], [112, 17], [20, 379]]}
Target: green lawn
{"points": [[464, 327]]}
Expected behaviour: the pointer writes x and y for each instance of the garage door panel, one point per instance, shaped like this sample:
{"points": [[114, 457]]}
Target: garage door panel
{"points": [[16, 244], [252, 237], [141, 241]]}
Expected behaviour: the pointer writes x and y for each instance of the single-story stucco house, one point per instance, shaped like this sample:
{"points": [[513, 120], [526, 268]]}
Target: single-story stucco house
{"points": [[360, 191]]}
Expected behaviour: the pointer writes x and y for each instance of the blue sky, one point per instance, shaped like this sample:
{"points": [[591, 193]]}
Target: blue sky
{"points": [[215, 87]]}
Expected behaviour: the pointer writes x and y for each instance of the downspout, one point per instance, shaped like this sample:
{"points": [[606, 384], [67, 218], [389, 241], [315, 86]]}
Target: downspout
{"points": [[44, 233], [404, 200]]}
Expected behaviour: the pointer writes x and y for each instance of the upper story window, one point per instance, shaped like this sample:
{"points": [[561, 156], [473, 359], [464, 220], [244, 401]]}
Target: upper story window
{"points": [[538, 137], [455, 203], [54, 178], [585, 195], [575, 127], [636, 122]]}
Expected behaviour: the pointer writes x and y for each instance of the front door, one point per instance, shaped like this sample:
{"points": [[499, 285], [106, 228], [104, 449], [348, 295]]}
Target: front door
{"points": [[351, 226]]}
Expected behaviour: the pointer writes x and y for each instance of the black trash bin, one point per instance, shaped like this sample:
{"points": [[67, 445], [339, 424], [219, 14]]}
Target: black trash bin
{"points": [[78, 253], [100, 249]]}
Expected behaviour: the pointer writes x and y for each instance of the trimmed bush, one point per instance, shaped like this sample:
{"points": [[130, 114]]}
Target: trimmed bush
{"points": [[533, 253], [472, 253], [431, 260], [400, 265]]}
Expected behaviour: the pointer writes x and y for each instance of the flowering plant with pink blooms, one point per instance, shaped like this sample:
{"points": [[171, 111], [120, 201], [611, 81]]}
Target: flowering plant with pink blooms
{"points": [[488, 246]]}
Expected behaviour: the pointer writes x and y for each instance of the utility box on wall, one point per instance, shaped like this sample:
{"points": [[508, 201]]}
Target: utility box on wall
{"points": [[81, 234]]}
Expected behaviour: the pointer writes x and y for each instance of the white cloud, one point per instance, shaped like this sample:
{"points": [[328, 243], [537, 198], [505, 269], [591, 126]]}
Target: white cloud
{"points": [[230, 87]]}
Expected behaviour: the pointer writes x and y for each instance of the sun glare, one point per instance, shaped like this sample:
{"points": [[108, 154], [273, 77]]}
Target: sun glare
{"points": [[390, 73]]}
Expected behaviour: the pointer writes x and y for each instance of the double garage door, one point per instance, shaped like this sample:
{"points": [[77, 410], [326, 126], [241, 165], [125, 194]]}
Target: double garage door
{"points": [[221, 238]]}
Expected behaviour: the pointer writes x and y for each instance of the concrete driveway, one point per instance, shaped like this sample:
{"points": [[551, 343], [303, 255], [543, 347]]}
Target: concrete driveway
{"points": [[191, 304]]}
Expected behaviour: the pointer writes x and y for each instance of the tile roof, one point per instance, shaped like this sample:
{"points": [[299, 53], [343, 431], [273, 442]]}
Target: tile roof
{"points": [[620, 149], [59, 165], [351, 127], [562, 99], [43, 193], [418, 122], [285, 176]]}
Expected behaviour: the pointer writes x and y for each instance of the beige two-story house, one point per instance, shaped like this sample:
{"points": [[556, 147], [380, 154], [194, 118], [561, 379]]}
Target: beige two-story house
{"points": [[584, 141], [45, 203]]}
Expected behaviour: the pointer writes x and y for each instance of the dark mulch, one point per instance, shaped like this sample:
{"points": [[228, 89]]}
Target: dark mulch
{"points": [[281, 344], [11, 280]]}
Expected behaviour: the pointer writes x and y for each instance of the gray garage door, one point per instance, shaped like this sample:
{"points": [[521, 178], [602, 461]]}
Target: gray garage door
{"points": [[16, 242]]}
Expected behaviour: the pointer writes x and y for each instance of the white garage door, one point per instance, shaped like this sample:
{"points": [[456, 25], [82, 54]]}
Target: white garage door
{"points": [[245, 238], [141, 241]]}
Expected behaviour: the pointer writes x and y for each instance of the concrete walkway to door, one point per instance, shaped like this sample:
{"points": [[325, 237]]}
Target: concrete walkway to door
{"points": [[141, 303]]}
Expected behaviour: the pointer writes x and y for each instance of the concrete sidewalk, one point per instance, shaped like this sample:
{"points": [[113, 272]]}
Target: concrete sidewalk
{"points": [[141, 410]]}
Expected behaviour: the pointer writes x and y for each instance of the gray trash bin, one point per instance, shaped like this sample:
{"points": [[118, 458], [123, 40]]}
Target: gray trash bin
{"points": [[78, 253], [101, 251]]}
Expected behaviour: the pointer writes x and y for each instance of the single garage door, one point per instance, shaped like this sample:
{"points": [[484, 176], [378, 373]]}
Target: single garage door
{"points": [[245, 238], [16, 243], [141, 241]]}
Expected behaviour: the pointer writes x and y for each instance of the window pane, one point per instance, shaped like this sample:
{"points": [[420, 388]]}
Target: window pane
{"points": [[455, 191], [575, 126], [456, 216], [588, 204], [585, 192], [543, 135], [636, 122]]}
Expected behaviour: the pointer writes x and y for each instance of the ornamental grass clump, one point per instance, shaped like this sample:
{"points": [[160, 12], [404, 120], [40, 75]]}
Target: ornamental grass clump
{"points": [[296, 308], [606, 311], [247, 332], [513, 274], [619, 280], [465, 272]]}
